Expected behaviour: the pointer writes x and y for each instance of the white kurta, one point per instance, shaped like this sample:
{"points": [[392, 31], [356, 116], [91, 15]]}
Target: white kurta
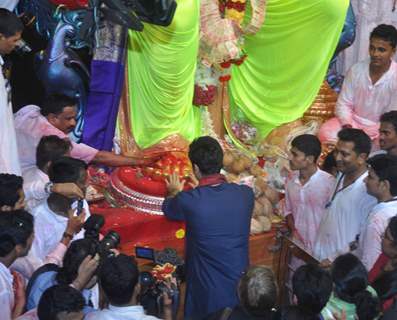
{"points": [[307, 203], [371, 239], [116, 313], [6, 292], [9, 160], [48, 230], [344, 220], [9, 4], [34, 181]]}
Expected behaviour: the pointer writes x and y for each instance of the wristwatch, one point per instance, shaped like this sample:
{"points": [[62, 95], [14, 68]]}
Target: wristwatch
{"points": [[48, 186]]}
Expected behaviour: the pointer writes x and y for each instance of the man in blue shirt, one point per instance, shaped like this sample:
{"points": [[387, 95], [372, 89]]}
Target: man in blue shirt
{"points": [[217, 216]]}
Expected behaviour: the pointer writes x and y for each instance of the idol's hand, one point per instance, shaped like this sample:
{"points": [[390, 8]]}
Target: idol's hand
{"points": [[174, 185]]}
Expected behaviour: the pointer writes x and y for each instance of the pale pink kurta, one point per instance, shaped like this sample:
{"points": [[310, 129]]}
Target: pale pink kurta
{"points": [[371, 239], [31, 126], [307, 203], [361, 103]]}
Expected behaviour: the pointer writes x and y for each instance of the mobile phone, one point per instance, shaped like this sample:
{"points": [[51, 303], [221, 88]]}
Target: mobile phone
{"points": [[80, 205], [144, 253]]}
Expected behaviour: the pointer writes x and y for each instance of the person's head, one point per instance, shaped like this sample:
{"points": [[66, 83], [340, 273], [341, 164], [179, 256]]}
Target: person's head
{"points": [[118, 278], [49, 149], [16, 233], [205, 154], [350, 283], [382, 45], [10, 31], [60, 111], [66, 169], [312, 287], [389, 239], [294, 312], [382, 176], [257, 290], [304, 152], [388, 131], [351, 150], [61, 302], [74, 256], [12, 196], [329, 164]]}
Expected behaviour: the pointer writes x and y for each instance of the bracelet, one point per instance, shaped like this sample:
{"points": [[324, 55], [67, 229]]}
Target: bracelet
{"points": [[48, 186], [67, 235]]}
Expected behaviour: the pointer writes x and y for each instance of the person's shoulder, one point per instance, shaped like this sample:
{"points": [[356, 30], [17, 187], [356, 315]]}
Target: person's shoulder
{"points": [[97, 315], [326, 176]]}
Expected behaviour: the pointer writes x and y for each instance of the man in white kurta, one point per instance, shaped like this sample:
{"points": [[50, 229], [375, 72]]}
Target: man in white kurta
{"points": [[349, 204], [382, 184], [307, 203], [307, 190], [369, 89], [9, 37]]}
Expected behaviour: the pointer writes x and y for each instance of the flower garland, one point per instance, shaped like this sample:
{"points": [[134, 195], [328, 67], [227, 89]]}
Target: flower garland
{"points": [[221, 43]]}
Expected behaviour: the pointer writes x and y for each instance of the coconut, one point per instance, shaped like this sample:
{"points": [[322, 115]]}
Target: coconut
{"points": [[227, 159], [256, 226], [247, 162], [265, 222], [238, 166], [267, 206], [258, 209], [272, 195], [256, 170]]}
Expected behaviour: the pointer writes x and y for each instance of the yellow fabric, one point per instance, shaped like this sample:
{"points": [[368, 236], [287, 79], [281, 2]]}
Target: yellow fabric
{"points": [[161, 66], [287, 61]]}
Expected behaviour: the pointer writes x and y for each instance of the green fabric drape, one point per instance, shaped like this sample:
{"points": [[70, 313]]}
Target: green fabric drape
{"points": [[287, 61], [161, 66]]}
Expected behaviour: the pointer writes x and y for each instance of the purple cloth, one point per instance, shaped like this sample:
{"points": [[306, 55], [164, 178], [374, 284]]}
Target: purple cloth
{"points": [[107, 79]]}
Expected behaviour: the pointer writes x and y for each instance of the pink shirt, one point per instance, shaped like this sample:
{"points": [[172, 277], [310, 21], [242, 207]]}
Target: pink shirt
{"points": [[31, 126], [307, 203], [361, 103]]}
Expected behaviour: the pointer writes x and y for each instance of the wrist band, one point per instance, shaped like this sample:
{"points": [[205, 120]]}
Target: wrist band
{"points": [[67, 235]]}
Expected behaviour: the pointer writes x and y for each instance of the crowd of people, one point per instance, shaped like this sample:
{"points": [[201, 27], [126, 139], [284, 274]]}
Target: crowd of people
{"points": [[343, 214]]}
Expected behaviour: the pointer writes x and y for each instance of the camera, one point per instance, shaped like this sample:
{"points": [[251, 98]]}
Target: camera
{"points": [[153, 283], [110, 241], [22, 47]]}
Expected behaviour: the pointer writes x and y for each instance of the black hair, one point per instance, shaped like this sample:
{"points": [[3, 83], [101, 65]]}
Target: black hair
{"points": [[361, 141], [10, 24], [385, 32], [51, 148], [55, 104], [118, 277], [390, 117], [392, 226], [74, 256], [385, 167], [57, 299], [15, 229], [312, 287], [207, 154], [258, 291], [66, 169], [10, 184], [350, 284], [329, 163], [294, 312], [386, 285], [309, 144]]}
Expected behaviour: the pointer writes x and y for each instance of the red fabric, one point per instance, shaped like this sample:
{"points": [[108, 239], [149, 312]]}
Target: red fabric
{"points": [[377, 268], [374, 273], [136, 228], [212, 180], [71, 4]]}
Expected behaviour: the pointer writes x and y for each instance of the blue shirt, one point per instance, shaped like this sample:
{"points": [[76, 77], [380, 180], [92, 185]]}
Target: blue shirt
{"points": [[217, 234]]}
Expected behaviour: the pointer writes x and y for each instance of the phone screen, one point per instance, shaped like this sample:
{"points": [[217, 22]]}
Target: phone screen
{"points": [[144, 253], [80, 205]]}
